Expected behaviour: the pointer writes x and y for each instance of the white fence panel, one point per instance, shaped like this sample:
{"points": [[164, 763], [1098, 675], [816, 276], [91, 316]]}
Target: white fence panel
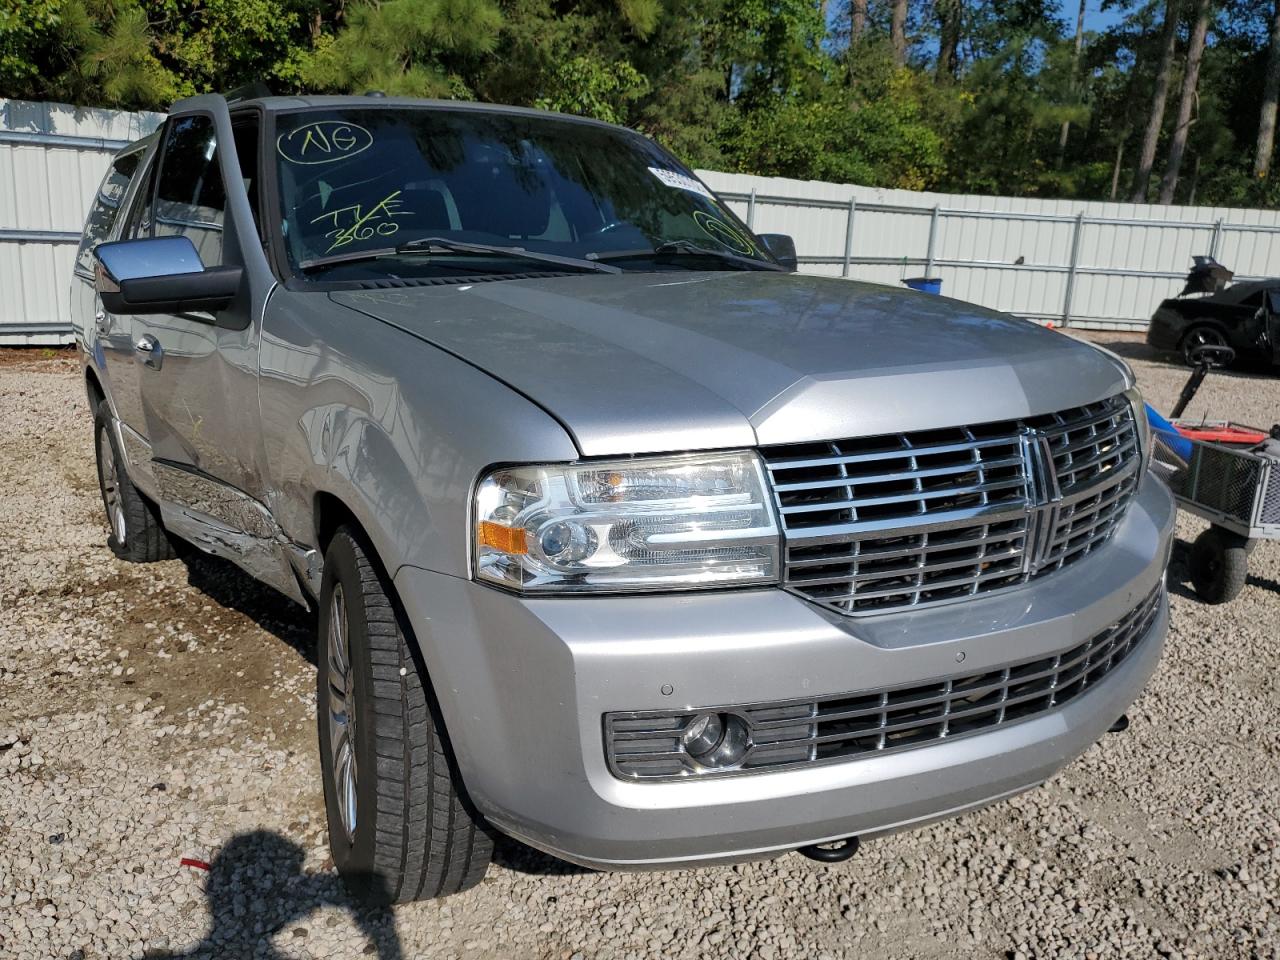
{"points": [[1085, 263], [1089, 264]]}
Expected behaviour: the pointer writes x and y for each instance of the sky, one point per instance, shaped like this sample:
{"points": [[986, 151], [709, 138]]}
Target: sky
{"points": [[1099, 20]]}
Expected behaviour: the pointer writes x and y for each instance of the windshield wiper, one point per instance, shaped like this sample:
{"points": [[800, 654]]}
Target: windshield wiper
{"points": [[686, 248], [430, 245], [426, 246]]}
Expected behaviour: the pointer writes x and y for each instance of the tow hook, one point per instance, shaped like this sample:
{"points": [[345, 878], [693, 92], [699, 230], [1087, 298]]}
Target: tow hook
{"points": [[1121, 724], [836, 851]]}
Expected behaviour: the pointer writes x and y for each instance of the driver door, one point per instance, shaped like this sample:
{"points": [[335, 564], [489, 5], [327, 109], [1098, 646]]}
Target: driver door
{"points": [[192, 364], [198, 371], [1273, 324]]}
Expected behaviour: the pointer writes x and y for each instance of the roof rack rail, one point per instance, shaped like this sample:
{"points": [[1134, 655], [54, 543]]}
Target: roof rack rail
{"points": [[250, 91]]}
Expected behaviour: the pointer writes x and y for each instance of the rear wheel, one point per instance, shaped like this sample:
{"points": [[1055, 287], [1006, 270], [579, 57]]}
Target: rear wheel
{"points": [[400, 825], [1219, 565], [136, 533], [1197, 337]]}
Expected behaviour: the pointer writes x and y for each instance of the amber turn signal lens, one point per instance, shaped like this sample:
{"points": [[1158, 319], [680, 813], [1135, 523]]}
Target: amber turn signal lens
{"points": [[499, 537]]}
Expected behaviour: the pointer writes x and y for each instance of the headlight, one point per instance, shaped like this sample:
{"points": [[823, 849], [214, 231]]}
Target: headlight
{"points": [[643, 524], [1134, 396]]}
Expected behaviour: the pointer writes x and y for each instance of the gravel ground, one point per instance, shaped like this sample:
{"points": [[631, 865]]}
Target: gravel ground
{"points": [[154, 713]]}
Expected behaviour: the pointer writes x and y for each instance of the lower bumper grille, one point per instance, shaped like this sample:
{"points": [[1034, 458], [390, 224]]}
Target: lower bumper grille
{"points": [[647, 745]]}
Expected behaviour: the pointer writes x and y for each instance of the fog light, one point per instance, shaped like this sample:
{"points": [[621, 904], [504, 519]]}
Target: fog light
{"points": [[716, 739], [703, 735]]}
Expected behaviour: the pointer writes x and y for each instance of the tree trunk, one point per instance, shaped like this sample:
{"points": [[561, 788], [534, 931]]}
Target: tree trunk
{"points": [[1075, 72], [949, 14], [858, 19], [1190, 82], [1270, 94], [1115, 171], [1147, 158], [898, 31]]}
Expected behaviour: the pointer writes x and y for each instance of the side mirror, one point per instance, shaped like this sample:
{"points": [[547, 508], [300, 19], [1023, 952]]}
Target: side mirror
{"points": [[783, 249], [161, 275]]}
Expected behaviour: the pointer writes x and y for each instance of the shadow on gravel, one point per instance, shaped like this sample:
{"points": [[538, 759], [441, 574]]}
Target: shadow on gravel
{"points": [[1179, 579], [514, 855], [227, 585], [257, 889], [1245, 368], [1263, 583]]}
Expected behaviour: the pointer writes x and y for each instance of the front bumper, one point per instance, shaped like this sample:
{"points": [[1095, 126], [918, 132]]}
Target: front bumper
{"points": [[1165, 329], [523, 686]]}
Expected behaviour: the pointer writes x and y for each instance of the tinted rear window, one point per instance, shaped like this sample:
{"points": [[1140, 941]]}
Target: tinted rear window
{"points": [[106, 207]]}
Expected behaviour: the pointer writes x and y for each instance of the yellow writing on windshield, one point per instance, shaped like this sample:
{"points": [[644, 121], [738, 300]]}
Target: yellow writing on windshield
{"points": [[323, 141], [718, 230], [361, 222]]}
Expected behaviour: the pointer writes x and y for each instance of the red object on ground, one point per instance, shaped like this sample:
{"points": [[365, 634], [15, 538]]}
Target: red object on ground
{"points": [[1236, 436], [193, 862]]}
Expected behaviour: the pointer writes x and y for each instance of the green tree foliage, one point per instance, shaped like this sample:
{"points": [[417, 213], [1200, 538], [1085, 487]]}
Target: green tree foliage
{"points": [[974, 96]]}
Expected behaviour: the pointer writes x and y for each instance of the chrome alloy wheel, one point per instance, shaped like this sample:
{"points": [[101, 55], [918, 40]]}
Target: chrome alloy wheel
{"points": [[111, 486], [341, 712], [1200, 337]]}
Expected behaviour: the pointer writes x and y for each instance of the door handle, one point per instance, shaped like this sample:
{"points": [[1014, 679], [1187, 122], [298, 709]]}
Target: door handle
{"points": [[102, 322], [149, 350]]}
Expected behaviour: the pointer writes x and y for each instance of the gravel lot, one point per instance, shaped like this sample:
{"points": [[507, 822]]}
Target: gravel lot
{"points": [[154, 713]]}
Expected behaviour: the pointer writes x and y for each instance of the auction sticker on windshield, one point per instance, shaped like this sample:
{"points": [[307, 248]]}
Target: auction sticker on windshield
{"points": [[680, 181]]}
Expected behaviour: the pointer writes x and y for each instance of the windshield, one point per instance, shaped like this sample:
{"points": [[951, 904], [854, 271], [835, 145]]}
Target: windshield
{"points": [[356, 184]]}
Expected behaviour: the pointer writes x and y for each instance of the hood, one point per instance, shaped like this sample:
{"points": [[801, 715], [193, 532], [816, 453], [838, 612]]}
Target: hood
{"points": [[659, 362]]}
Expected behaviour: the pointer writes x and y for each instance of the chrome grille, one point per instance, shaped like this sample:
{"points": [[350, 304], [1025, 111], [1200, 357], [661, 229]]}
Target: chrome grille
{"points": [[1094, 452], [785, 734], [913, 519]]}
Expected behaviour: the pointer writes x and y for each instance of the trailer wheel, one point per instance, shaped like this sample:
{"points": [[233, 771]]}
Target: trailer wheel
{"points": [[1219, 565]]}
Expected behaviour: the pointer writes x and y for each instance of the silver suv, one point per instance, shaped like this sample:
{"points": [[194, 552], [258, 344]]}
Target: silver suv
{"points": [[626, 540]]}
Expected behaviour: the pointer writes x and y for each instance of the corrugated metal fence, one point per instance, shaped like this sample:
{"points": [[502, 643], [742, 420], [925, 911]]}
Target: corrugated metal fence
{"points": [[52, 158], [1087, 264]]}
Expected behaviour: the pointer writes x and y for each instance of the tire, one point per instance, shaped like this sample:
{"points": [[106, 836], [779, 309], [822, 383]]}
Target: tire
{"points": [[1219, 565], [1198, 336], [384, 754], [137, 535]]}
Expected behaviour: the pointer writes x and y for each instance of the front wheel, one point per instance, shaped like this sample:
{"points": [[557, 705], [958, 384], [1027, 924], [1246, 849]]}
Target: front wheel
{"points": [[1197, 337], [400, 825], [1219, 565]]}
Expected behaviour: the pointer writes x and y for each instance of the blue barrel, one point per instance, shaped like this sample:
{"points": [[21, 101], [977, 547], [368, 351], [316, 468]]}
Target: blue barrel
{"points": [[1166, 431], [924, 284]]}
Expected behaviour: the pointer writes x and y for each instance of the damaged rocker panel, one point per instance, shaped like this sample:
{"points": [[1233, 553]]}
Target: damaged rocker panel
{"points": [[227, 522]]}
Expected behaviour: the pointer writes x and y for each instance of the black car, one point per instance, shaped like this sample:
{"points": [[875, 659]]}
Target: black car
{"points": [[1211, 310]]}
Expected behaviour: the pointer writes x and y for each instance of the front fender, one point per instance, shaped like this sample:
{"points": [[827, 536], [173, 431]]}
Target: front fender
{"points": [[395, 428]]}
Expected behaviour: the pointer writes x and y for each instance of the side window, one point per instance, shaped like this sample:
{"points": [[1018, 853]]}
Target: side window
{"points": [[245, 130], [190, 197], [106, 208]]}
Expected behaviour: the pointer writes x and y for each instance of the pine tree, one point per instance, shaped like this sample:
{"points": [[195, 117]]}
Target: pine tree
{"points": [[1270, 94], [1186, 103], [1155, 120]]}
